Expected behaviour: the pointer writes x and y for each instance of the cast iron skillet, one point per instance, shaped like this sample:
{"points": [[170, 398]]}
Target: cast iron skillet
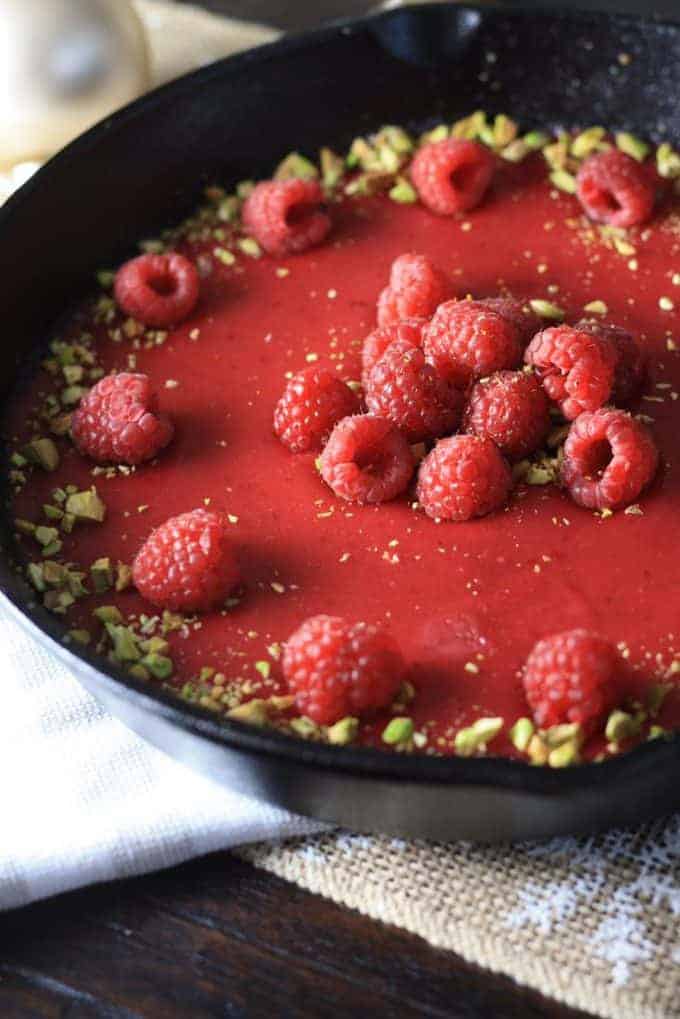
{"points": [[143, 168]]}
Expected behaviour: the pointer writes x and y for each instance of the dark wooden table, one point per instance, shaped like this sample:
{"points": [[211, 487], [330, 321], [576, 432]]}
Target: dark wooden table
{"points": [[218, 938]]}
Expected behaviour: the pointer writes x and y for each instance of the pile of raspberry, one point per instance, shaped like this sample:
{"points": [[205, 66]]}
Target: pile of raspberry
{"points": [[454, 393]]}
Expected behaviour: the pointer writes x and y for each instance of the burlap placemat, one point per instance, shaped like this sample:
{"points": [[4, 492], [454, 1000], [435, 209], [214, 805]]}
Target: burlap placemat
{"points": [[591, 922]]}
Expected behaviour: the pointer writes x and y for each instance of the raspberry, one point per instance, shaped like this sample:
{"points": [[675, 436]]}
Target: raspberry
{"points": [[452, 175], [188, 564], [312, 404], [118, 421], [286, 216], [572, 677], [576, 367], [415, 290], [525, 321], [463, 477], [157, 290], [609, 457], [467, 340], [630, 367], [406, 390], [614, 188], [511, 409], [376, 343], [367, 459], [336, 668]]}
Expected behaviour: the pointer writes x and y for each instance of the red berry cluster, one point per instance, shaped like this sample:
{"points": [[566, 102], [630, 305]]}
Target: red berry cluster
{"points": [[451, 376]]}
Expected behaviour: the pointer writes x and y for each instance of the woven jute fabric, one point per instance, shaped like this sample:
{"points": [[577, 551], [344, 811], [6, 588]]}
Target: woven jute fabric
{"points": [[591, 922]]}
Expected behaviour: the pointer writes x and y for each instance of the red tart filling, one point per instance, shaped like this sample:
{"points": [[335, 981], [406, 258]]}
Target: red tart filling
{"points": [[384, 450]]}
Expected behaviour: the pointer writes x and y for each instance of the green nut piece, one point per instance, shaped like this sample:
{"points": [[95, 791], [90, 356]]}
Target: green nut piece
{"points": [[53, 548], [55, 574], [108, 614], [474, 126], [564, 180], [632, 146], [437, 134], [102, 575], [403, 192], [516, 151], [42, 452], [45, 535], [399, 141], [158, 646], [295, 165], [123, 577], [72, 395], [254, 712], [538, 750], [556, 735], [34, 571], [332, 168], [68, 522], [658, 732], [73, 373], [58, 601], [264, 668], [74, 582], [86, 506], [587, 141], [24, 526], [535, 140], [546, 309], [476, 736], [504, 131], [52, 512], [621, 727], [250, 247], [667, 161], [17, 460], [565, 754], [139, 671], [105, 278], [344, 731], [125, 645], [398, 731], [521, 734], [305, 727], [80, 636], [159, 666]]}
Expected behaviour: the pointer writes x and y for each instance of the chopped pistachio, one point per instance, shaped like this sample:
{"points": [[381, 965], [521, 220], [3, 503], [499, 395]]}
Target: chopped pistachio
{"points": [[105, 278], [546, 309], [68, 522], [52, 512], [255, 712], [158, 665], [632, 145], [538, 750], [516, 151], [667, 161], [86, 506], [281, 702], [250, 247], [556, 735], [396, 137], [264, 668], [54, 574], [53, 548], [521, 733], [587, 141], [125, 645], [470, 127], [58, 601], [102, 574], [305, 727], [139, 671], [477, 735], [565, 754], [504, 131], [74, 582], [535, 140], [46, 535], [403, 192], [369, 183], [623, 247], [435, 134], [157, 645], [621, 726], [344, 731], [80, 636], [73, 373], [42, 452], [564, 180], [17, 460], [596, 308], [295, 165], [332, 168], [224, 256], [398, 730], [539, 474], [206, 673], [361, 154], [72, 395], [24, 526], [657, 732], [556, 155], [34, 572], [123, 576], [227, 210], [171, 621]]}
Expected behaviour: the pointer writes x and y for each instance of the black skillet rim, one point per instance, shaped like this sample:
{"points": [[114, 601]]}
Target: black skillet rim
{"points": [[350, 761]]}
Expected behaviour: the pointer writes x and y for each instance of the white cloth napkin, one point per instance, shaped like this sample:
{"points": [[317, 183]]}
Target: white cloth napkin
{"points": [[85, 800]]}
